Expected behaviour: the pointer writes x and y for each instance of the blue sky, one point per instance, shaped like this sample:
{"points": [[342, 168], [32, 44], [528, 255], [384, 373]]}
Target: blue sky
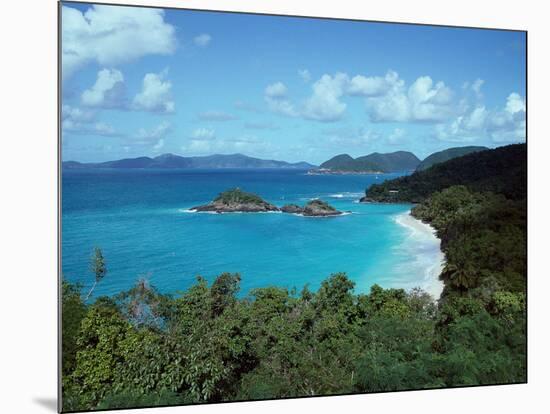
{"points": [[143, 81]]}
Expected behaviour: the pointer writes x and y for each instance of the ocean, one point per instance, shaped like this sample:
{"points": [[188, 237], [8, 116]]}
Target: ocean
{"points": [[141, 221]]}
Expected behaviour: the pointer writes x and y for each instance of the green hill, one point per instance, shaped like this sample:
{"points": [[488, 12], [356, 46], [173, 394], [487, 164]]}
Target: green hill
{"points": [[339, 162], [390, 162], [446, 155], [502, 171]]}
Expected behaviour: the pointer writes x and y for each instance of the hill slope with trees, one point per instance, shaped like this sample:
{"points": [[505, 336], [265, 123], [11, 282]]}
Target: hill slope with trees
{"points": [[502, 171], [446, 155], [391, 162]]}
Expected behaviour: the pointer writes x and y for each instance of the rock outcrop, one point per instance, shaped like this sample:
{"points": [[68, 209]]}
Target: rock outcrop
{"points": [[314, 208]]}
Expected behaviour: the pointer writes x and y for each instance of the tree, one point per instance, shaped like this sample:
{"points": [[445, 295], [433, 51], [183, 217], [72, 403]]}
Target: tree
{"points": [[98, 268], [460, 277], [73, 311], [223, 291], [335, 293]]}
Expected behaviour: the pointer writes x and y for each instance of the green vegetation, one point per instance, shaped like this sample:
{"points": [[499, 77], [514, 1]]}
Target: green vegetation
{"points": [[395, 161], [501, 171], [237, 196], [446, 155], [484, 238], [208, 344]]}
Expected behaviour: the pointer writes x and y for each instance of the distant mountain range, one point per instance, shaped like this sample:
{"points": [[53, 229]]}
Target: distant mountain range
{"points": [[446, 155], [375, 162], [398, 161], [177, 161]]}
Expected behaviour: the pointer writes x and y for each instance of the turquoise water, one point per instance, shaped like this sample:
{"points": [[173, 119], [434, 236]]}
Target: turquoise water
{"points": [[141, 221]]}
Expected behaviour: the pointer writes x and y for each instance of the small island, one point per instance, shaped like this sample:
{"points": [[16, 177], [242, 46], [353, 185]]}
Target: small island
{"points": [[314, 208], [238, 201]]}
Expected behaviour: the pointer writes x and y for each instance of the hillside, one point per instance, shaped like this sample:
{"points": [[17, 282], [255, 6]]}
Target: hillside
{"points": [[177, 161], [502, 171], [375, 162], [446, 155]]}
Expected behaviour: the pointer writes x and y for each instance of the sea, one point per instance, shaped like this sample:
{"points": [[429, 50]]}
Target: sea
{"points": [[143, 223]]}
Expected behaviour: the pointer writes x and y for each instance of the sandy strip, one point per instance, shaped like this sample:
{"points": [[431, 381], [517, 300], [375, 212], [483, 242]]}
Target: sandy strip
{"points": [[430, 247]]}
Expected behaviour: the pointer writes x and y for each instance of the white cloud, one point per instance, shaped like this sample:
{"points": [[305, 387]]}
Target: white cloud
{"points": [[515, 103], [361, 139], [248, 144], [107, 92], [202, 40], [83, 122], [305, 75], [216, 116], [387, 99], [155, 95], [102, 128], [76, 114], [375, 85], [111, 35], [424, 101], [276, 97], [507, 124], [429, 101], [276, 90], [325, 105], [203, 134], [476, 87], [282, 106], [195, 147], [152, 135]]}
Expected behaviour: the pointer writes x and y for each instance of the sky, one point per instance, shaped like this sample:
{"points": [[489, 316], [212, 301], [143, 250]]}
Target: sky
{"points": [[146, 81]]}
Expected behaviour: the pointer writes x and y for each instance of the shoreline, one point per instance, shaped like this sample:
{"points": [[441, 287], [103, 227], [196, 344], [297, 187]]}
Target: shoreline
{"points": [[426, 234]]}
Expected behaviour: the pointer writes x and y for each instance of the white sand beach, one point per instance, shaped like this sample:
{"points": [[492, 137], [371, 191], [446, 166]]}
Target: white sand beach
{"points": [[430, 259]]}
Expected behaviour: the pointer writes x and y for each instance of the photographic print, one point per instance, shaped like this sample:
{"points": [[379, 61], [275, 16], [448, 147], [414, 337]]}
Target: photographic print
{"points": [[260, 207]]}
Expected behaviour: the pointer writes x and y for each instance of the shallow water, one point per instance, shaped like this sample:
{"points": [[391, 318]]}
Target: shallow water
{"points": [[141, 220]]}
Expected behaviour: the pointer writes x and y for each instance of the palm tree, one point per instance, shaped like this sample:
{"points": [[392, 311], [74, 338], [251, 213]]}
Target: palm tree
{"points": [[461, 277]]}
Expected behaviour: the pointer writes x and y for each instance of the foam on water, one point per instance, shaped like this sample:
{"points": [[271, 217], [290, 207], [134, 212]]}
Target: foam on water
{"points": [[346, 195], [423, 246]]}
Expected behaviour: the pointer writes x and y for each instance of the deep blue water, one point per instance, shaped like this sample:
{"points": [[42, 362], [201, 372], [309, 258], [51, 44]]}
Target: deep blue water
{"points": [[140, 220]]}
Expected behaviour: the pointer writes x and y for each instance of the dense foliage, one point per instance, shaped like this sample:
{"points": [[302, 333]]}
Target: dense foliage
{"points": [[446, 155], [484, 237], [502, 170], [142, 348], [237, 196], [208, 344]]}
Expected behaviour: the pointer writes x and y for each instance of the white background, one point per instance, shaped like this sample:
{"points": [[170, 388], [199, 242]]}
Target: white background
{"points": [[28, 233]]}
